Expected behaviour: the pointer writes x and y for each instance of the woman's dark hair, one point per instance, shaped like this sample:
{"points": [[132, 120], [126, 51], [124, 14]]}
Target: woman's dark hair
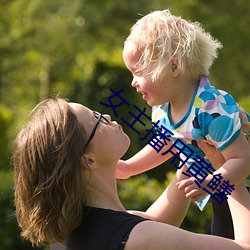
{"points": [[49, 180]]}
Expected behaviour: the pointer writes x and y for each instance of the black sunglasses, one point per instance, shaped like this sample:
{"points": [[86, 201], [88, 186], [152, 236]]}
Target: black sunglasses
{"points": [[100, 118]]}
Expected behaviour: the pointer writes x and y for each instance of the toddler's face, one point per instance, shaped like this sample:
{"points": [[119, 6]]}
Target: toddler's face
{"points": [[152, 92]]}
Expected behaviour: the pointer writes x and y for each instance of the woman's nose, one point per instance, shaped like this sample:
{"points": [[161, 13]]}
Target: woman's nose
{"points": [[108, 117]]}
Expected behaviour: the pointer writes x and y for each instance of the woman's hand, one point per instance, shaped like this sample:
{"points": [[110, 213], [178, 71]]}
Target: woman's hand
{"points": [[245, 124]]}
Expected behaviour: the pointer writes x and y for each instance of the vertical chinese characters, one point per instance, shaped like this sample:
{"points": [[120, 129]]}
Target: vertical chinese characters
{"points": [[159, 136]]}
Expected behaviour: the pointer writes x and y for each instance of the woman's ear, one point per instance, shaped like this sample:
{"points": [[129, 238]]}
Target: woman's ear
{"points": [[89, 161]]}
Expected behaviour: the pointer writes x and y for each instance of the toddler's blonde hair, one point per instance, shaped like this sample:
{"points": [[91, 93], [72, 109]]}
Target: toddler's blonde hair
{"points": [[161, 36]]}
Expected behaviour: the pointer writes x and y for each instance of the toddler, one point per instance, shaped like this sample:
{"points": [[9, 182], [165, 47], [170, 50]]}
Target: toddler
{"points": [[170, 59]]}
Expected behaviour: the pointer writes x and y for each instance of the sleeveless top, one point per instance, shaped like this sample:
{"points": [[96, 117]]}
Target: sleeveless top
{"points": [[102, 229]]}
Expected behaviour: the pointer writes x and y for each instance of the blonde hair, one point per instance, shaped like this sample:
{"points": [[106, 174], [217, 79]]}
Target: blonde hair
{"points": [[161, 36], [49, 184]]}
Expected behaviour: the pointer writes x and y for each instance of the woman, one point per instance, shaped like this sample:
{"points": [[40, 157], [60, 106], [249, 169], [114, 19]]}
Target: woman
{"points": [[65, 188]]}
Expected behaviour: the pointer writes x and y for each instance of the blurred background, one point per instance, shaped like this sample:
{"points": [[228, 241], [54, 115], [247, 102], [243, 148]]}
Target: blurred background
{"points": [[72, 48]]}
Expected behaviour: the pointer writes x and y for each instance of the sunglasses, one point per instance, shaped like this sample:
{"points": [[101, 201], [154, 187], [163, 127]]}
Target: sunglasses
{"points": [[100, 118]]}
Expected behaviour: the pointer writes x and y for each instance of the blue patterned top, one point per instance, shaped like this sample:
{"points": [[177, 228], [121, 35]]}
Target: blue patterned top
{"points": [[213, 115]]}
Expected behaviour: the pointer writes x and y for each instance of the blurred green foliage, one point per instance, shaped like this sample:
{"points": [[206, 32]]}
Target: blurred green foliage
{"points": [[72, 48]]}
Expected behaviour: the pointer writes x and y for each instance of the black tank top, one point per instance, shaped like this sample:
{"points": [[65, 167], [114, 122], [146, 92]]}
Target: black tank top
{"points": [[102, 229]]}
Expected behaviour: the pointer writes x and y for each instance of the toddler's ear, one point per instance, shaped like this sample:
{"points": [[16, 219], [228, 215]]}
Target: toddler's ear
{"points": [[175, 66]]}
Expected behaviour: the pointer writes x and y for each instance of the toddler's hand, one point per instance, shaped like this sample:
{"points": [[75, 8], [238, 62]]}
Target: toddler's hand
{"points": [[191, 189], [122, 170]]}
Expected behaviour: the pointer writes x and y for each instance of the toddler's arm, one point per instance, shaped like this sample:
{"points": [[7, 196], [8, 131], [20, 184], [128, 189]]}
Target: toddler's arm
{"points": [[171, 207], [144, 160]]}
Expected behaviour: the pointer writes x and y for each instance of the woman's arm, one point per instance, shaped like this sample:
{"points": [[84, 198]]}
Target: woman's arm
{"points": [[237, 157], [239, 203], [160, 236], [214, 156]]}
